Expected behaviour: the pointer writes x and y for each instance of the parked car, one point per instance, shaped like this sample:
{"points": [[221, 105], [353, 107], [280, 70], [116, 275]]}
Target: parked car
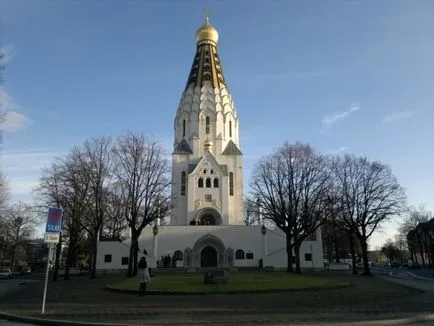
{"points": [[26, 271], [5, 273]]}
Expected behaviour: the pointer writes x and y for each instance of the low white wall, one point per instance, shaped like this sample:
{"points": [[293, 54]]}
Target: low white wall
{"points": [[247, 238]]}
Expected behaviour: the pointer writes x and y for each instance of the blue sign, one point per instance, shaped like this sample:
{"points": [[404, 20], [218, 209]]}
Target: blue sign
{"points": [[54, 220]]}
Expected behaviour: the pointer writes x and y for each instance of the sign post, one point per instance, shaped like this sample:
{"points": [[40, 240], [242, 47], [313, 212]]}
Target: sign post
{"points": [[52, 235]]}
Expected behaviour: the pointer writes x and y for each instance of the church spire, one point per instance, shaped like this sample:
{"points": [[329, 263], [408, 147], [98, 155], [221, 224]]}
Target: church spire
{"points": [[206, 65]]}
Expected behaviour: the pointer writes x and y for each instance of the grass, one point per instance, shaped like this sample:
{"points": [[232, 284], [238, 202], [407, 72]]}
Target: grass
{"points": [[238, 282]]}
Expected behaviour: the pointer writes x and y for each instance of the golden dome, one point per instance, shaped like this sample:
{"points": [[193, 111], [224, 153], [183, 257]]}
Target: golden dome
{"points": [[207, 32]]}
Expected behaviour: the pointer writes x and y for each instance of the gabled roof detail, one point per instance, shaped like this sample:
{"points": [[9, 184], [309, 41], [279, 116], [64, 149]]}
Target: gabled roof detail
{"points": [[231, 149], [183, 148], [208, 161]]}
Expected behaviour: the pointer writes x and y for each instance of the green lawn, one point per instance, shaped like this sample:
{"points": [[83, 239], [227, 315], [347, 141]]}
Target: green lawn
{"points": [[238, 282]]}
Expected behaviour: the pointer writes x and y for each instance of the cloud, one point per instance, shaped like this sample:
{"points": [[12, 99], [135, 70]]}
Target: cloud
{"points": [[23, 169], [13, 120], [335, 151], [8, 51], [398, 116], [330, 120]]}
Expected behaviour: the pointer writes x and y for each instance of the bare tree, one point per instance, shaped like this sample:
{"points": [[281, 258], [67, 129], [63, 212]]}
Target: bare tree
{"points": [[4, 193], [392, 251], [292, 185], [63, 184], [20, 224], [250, 211], [115, 224], [412, 233], [96, 163], [369, 194], [141, 171], [76, 195], [336, 232], [51, 193], [3, 112]]}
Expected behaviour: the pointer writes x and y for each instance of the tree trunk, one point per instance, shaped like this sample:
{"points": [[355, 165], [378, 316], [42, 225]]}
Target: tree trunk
{"points": [[364, 245], [133, 250], [421, 251], [297, 259], [336, 251], [68, 263], [289, 253], [353, 253], [14, 251], [136, 257], [428, 254], [57, 259], [94, 255]]}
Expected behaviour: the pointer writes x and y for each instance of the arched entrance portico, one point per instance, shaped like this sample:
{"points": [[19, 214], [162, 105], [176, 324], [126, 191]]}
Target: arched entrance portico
{"points": [[208, 251], [208, 257], [208, 216]]}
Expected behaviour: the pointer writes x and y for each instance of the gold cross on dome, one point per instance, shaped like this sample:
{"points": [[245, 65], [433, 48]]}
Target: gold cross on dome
{"points": [[206, 11]]}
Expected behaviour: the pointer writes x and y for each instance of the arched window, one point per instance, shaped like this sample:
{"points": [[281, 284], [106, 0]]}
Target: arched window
{"points": [[183, 182], [200, 183], [207, 125], [208, 182], [183, 128], [216, 183], [231, 183], [230, 128], [239, 254]]}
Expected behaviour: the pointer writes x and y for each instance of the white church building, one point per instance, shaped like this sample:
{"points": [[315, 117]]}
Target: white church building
{"points": [[206, 223]]}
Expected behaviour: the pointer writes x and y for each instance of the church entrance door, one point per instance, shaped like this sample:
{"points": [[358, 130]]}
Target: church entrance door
{"points": [[208, 257], [209, 216]]}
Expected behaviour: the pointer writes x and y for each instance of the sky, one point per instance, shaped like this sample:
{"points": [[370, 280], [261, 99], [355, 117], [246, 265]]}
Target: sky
{"points": [[344, 76]]}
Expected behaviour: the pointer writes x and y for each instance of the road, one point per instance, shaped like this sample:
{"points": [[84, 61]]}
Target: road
{"points": [[9, 323], [15, 283], [7, 286], [405, 273]]}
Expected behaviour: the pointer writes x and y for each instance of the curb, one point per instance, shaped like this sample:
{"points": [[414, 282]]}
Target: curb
{"points": [[54, 322], [379, 322], [420, 277], [414, 276], [382, 322], [229, 292]]}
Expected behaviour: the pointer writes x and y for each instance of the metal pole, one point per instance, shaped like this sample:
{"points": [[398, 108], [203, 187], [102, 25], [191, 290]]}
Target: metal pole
{"points": [[46, 278], [154, 249]]}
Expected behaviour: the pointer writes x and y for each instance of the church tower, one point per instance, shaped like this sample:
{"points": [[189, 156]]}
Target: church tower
{"points": [[207, 166]]}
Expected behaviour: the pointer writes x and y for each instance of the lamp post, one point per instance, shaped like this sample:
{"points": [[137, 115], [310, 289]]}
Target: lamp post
{"points": [[264, 236], [259, 207], [155, 232]]}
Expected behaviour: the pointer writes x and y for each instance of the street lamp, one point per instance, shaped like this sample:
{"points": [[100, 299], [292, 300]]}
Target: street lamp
{"points": [[259, 208], [264, 236], [155, 232]]}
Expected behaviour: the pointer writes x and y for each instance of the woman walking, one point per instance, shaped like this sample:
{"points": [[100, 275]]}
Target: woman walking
{"points": [[143, 275]]}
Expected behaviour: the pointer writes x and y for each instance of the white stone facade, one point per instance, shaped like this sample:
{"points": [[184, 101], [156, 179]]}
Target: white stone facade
{"points": [[191, 241], [207, 122], [207, 185]]}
